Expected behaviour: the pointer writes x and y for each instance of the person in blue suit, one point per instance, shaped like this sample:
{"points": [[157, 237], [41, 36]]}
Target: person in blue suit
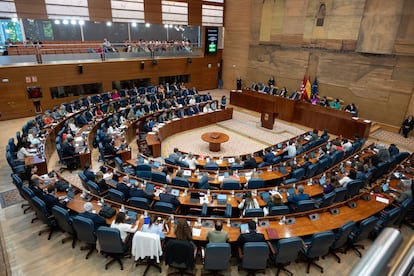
{"points": [[294, 199]]}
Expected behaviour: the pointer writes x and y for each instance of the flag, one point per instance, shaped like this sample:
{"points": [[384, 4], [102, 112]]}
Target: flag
{"points": [[302, 89], [308, 89], [315, 87]]}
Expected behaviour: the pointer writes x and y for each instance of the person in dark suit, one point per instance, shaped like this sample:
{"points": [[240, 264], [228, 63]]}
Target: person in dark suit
{"points": [[283, 92], [268, 157], [250, 163], [97, 219], [295, 95], [69, 154], [251, 236], [82, 120], [90, 175], [169, 198], [137, 191], [294, 199], [124, 186]]}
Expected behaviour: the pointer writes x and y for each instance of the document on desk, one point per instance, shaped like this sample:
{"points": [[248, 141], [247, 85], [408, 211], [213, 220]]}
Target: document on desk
{"points": [[382, 199], [196, 232]]}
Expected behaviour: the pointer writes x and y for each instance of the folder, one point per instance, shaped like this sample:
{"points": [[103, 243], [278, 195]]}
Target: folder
{"points": [[272, 233]]}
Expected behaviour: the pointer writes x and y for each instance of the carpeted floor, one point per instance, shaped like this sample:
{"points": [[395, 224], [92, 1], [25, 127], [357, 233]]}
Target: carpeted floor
{"points": [[9, 198]]}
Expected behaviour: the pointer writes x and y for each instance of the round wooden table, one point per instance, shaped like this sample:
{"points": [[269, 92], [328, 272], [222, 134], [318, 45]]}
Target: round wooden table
{"points": [[215, 139]]}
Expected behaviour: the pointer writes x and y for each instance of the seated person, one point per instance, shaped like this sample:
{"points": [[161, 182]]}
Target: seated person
{"points": [[100, 181], [191, 161], [348, 178], [331, 185], [217, 235], [90, 175], [124, 186], [155, 226], [275, 200], [283, 92], [393, 150], [404, 193], [294, 199], [169, 198], [125, 229], [250, 162], [324, 102], [24, 151], [137, 191], [248, 202], [69, 154], [290, 150], [251, 236], [176, 155], [351, 108], [88, 213], [269, 156], [48, 197], [336, 104]]}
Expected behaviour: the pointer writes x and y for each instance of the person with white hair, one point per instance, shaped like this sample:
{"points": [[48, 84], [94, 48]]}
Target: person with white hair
{"points": [[90, 214], [405, 192]]}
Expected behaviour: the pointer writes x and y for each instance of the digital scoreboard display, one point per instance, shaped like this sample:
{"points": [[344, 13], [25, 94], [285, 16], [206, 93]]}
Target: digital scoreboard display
{"points": [[211, 41]]}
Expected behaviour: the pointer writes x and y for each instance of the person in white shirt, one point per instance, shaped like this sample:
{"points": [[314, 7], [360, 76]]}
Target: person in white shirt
{"points": [[191, 161], [207, 108], [290, 149], [192, 101], [125, 228], [347, 145], [156, 226], [248, 203], [23, 152]]}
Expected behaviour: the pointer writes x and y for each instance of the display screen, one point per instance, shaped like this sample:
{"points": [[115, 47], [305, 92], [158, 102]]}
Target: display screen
{"points": [[34, 92], [211, 41]]}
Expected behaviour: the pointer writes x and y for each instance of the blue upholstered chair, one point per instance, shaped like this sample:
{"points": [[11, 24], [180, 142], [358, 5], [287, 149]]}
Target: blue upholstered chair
{"points": [[85, 231], [305, 205], [254, 256], [164, 207], [255, 183], [139, 202], [254, 212], [159, 177], [111, 244], [279, 210], [362, 232], [180, 181], [285, 251], [340, 194], [116, 196], [326, 200], [317, 246], [341, 239], [39, 206], [217, 256], [231, 184], [65, 223]]}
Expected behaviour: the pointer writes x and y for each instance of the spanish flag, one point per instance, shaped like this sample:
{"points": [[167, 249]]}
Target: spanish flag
{"points": [[308, 89]]}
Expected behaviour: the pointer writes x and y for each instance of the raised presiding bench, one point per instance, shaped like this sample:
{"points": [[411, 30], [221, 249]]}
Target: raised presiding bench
{"points": [[314, 116]]}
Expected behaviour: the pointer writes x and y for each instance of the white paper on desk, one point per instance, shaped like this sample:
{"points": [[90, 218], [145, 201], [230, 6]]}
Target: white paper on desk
{"points": [[204, 200], [107, 175], [196, 232], [221, 178], [187, 173], [78, 139], [151, 132], [157, 192], [231, 160], [248, 174], [382, 199], [219, 161]]}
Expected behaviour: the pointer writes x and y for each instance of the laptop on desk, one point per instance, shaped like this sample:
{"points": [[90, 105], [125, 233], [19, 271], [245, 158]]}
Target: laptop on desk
{"points": [[195, 197], [291, 191], [385, 188], [175, 192], [244, 228], [156, 164], [322, 181], [149, 188]]}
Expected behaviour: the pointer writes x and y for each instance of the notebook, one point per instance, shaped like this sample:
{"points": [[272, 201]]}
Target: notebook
{"points": [[149, 188], [272, 233], [322, 180], [385, 187], [71, 194], [244, 228], [156, 164]]}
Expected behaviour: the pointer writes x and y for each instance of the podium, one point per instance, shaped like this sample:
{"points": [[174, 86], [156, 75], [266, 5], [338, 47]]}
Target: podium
{"points": [[268, 119]]}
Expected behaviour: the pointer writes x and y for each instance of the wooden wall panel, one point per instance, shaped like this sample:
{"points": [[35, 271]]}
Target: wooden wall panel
{"points": [[237, 40], [404, 44], [379, 26], [100, 10], [153, 11], [14, 102], [34, 9], [194, 13]]}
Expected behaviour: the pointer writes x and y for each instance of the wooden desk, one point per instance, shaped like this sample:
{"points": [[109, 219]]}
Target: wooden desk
{"points": [[154, 143], [215, 139], [37, 161], [314, 116]]}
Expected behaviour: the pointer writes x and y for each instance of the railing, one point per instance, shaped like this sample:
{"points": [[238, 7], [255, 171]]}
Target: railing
{"points": [[376, 260], [67, 52]]}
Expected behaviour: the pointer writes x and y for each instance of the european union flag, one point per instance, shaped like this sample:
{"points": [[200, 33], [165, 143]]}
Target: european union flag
{"points": [[315, 87]]}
